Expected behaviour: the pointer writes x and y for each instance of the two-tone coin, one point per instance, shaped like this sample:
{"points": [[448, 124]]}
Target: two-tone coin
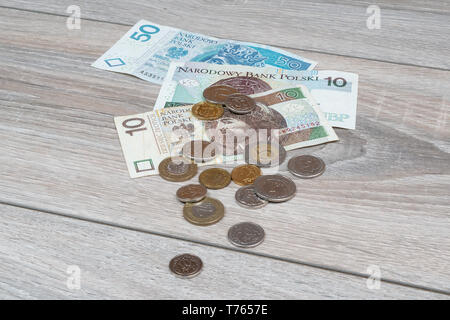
{"points": [[207, 111], [306, 166], [245, 174], [186, 265], [191, 193], [265, 154], [246, 235], [204, 213], [199, 150], [177, 169], [218, 94], [215, 178], [246, 197], [240, 103], [275, 188]]}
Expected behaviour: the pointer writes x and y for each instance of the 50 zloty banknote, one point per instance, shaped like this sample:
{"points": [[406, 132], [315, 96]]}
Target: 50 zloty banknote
{"points": [[336, 92], [289, 113], [147, 50]]}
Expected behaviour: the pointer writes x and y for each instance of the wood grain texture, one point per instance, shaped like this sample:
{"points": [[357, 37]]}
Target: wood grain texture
{"points": [[440, 6], [37, 248], [411, 32], [383, 201]]}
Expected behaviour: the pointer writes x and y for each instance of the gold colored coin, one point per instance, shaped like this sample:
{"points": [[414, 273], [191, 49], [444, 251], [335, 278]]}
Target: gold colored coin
{"points": [[207, 111], [177, 169], [245, 174], [215, 178], [204, 213]]}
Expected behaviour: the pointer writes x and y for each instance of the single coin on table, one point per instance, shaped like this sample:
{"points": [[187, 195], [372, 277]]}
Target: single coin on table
{"points": [[207, 111], [177, 169], [245, 174], [306, 166], [275, 188], [265, 154], [247, 198], [204, 213], [199, 150], [215, 178], [191, 193], [186, 265], [240, 103], [246, 234], [218, 94]]}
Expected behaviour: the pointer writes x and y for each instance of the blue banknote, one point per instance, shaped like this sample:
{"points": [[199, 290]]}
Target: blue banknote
{"points": [[147, 50]]}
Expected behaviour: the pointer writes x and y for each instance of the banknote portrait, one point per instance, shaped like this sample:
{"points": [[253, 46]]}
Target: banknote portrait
{"points": [[233, 131]]}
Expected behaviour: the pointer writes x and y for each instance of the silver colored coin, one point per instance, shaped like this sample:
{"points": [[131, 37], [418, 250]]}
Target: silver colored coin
{"points": [[246, 235], [275, 188], [247, 198], [306, 166]]}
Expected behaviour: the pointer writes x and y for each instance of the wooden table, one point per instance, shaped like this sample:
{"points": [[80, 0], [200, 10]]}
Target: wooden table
{"points": [[68, 204]]}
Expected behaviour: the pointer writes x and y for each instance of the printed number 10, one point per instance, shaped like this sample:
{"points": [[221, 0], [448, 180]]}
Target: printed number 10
{"points": [[134, 125], [145, 34], [338, 82]]}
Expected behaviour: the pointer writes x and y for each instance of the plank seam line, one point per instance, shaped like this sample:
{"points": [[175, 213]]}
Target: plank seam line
{"points": [[385, 6], [219, 246], [282, 47]]}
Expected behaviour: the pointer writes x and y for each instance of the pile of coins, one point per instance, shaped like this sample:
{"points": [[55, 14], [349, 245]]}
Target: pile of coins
{"points": [[256, 190], [232, 95]]}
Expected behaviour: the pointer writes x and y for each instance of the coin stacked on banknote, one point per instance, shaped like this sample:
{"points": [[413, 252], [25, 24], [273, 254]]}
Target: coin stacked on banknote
{"points": [[205, 110], [233, 93], [218, 94]]}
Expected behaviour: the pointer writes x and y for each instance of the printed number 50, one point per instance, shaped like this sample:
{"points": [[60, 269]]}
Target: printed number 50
{"points": [[145, 34], [290, 63]]}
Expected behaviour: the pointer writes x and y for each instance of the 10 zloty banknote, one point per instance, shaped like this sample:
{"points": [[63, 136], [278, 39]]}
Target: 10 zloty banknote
{"points": [[147, 50], [148, 138], [289, 113], [336, 92]]}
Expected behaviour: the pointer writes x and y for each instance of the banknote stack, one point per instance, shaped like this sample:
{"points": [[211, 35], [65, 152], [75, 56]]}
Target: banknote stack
{"points": [[229, 102]]}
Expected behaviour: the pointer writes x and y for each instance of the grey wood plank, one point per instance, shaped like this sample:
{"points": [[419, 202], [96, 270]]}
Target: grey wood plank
{"points": [[440, 6], [384, 199], [36, 250], [410, 32]]}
